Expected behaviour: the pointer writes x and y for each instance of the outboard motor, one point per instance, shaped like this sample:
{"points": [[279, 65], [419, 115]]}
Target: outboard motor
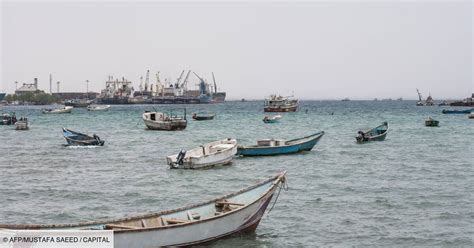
{"points": [[180, 157], [96, 138]]}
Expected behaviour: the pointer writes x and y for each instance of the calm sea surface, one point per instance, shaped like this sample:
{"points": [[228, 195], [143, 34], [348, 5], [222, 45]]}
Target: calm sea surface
{"points": [[413, 189]]}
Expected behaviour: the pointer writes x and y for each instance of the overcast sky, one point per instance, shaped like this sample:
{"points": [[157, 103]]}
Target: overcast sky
{"points": [[317, 50]]}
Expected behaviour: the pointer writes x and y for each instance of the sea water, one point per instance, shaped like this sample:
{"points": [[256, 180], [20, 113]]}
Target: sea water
{"points": [[413, 189]]}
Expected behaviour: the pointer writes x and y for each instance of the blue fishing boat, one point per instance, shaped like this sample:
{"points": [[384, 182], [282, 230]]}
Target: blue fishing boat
{"points": [[375, 134], [454, 111], [79, 139], [268, 147]]}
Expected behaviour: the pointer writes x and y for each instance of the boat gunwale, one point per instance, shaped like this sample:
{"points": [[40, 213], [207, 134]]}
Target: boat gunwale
{"points": [[92, 139], [318, 136], [376, 136], [209, 154], [276, 181]]}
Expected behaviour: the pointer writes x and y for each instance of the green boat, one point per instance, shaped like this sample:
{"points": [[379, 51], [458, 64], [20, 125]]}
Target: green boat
{"points": [[430, 122], [375, 134]]}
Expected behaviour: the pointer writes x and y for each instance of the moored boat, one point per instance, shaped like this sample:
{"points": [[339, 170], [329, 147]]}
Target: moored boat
{"points": [[430, 122], [215, 153], [455, 111], [203, 117], [79, 139], [238, 212], [471, 115], [271, 119], [280, 104], [66, 109], [163, 121], [78, 103], [375, 134], [268, 147], [8, 119], [22, 124], [98, 107]]}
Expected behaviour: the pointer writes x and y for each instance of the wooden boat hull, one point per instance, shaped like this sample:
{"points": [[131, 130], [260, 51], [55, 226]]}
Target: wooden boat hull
{"points": [[64, 110], [431, 123], [206, 156], [160, 121], [271, 119], [21, 125], [98, 108], [79, 139], [162, 230], [375, 134], [467, 111], [174, 125], [203, 118], [293, 108], [305, 145]]}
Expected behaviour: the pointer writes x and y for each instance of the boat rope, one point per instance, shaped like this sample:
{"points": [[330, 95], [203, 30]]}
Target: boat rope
{"points": [[284, 186]]}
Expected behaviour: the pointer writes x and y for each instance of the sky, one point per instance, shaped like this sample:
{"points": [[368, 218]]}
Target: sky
{"points": [[312, 50]]}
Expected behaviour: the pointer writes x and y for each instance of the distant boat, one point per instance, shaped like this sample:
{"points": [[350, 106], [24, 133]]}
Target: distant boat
{"points": [[280, 104], [66, 109], [346, 99], [271, 119], [430, 122], [215, 153], [467, 102], [78, 103], [78, 139], [22, 124], [203, 117], [454, 111], [166, 122], [98, 107], [8, 119], [429, 100], [235, 213], [399, 99], [375, 134], [268, 147], [471, 115]]}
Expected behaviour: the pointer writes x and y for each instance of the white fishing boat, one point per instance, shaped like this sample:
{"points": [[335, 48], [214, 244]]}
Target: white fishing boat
{"points": [[98, 107], [163, 121], [271, 119], [22, 124], [219, 152], [238, 212], [66, 109]]}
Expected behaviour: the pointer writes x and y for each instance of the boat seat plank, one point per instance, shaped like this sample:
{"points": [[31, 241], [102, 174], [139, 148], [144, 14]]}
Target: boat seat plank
{"points": [[176, 221], [193, 216], [230, 203], [113, 226]]}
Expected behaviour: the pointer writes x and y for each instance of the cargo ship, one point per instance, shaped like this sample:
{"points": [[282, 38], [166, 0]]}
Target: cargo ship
{"points": [[280, 104], [121, 91], [178, 92], [116, 92], [467, 102]]}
